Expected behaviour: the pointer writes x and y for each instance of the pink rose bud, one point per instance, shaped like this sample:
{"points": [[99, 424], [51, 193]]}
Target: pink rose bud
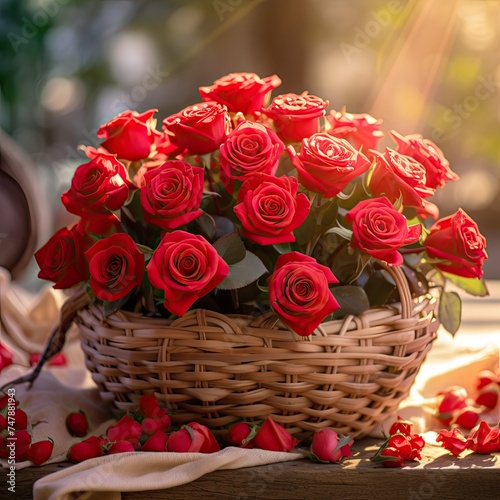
{"points": [[91, 447], [272, 436], [156, 442], [467, 417], [327, 446], [77, 424], [40, 451], [121, 447]]}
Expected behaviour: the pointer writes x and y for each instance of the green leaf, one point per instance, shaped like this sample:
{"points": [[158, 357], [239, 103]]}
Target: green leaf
{"points": [[473, 286], [244, 272], [450, 311], [145, 249], [283, 248], [352, 300], [347, 265], [231, 248], [379, 287], [341, 231], [305, 232], [206, 224], [111, 307]]}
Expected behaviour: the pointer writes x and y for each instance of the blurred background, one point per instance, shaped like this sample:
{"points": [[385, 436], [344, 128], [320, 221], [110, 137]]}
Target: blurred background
{"points": [[66, 66]]}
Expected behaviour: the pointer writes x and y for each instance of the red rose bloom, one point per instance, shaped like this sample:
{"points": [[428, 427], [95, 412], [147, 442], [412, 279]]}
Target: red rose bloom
{"points": [[130, 135], [241, 92], [249, 149], [186, 267], [395, 175], [326, 164], [199, 129], [456, 239], [361, 130], [484, 439], [61, 259], [296, 116], [172, 194], [453, 441], [116, 267], [97, 187], [299, 292], [380, 230], [270, 209], [91, 447], [274, 437], [437, 167]]}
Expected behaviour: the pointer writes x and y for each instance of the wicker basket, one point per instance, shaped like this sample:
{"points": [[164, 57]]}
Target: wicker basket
{"points": [[349, 375]]}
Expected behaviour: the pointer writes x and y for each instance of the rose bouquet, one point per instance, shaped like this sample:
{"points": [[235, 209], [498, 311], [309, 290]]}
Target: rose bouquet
{"points": [[243, 204]]}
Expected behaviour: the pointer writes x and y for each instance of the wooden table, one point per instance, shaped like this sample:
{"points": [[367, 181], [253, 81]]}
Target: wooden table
{"points": [[437, 475]]}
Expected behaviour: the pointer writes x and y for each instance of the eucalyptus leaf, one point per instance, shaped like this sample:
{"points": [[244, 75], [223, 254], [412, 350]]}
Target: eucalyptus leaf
{"points": [[473, 286], [244, 272], [450, 311], [231, 248]]}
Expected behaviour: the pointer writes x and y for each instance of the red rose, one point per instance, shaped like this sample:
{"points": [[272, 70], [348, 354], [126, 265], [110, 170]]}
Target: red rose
{"points": [[116, 266], [77, 424], [126, 429], [210, 444], [147, 166], [379, 230], [172, 194], [40, 451], [448, 402], [486, 377], [121, 447], [325, 445], [488, 396], [61, 259], [185, 441], [238, 434], [130, 135], [273, 437], [437, 167], [20, 419], [199, 129], [99, 186], [150, 407], [241, 92], [299, 292], [326, 164], [361, 130], [453, 441], [91, 447], [270, 209], [401, 426], [296, 116], [249, 149], [484, 439], [467, 417], [5, 357], [152, 425], [397, 451], [456, 239], [395, 175], [186, 267], [155, 442]]}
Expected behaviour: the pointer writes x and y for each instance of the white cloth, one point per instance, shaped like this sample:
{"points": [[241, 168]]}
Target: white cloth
{"points": [[26, 324]]}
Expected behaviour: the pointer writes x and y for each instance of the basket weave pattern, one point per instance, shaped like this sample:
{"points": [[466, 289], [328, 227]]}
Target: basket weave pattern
{"points": [[349, 375]]}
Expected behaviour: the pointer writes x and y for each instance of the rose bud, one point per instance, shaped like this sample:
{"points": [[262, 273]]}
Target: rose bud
{"points": [[77, 424], [486, 377], [120, 447], [239, 433], [327, 446], [401, 426], [449, 401], [210, 444], [91, 447], [126, 429], [185, 440], [20, 419], [488, 396], [150, 425], [5, 356], [149, 406], [484, 439], [40, 451], [23, 441], [453, 441], [272, 436], [156, 442], [467, 417]]}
